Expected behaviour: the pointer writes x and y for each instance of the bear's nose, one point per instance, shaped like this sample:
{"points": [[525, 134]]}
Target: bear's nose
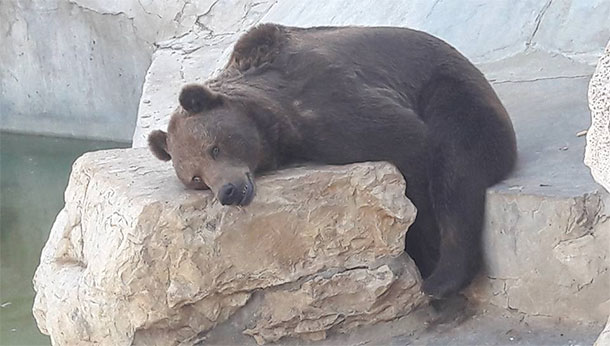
{"points": [[228, 194]]}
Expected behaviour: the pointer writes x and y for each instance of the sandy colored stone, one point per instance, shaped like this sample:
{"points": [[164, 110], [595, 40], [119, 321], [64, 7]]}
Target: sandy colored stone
{"points": [[597, 152], [343, 302], [134, 258]]}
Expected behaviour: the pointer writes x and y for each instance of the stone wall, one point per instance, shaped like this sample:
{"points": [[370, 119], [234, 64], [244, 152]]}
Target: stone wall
{"points": [[134, 258], [77, 67], [597, 153], [527, 27]]}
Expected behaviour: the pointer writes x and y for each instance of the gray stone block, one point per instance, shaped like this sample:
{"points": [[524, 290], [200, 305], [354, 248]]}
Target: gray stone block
{"points": [[547, 231]]}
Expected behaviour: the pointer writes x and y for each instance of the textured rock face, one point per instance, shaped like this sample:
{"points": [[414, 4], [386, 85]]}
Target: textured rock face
{"points": [[547, 229], [530, 26], [76, 67], [343, 301], [597, 153], [604, 336], [89, 85], [135, 258], [548, 256]]}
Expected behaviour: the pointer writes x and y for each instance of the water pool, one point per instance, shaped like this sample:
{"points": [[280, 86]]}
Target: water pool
{"points": [[34, 172]]}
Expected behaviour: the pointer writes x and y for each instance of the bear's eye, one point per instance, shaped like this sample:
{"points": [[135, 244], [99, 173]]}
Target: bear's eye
{"points": [[196, 179], [215, 152]]}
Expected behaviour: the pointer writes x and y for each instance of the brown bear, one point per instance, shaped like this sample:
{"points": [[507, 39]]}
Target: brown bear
{"points": [[338, 95]]}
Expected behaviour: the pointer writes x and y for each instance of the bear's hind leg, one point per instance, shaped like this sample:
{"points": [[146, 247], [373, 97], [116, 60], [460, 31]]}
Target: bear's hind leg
{"points": [[423, 238], [458, 198]]}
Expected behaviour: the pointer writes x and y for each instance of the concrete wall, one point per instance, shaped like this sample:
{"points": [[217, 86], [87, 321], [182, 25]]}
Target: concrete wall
{"points": [[69, 71], [488, 32], [76, 68]]}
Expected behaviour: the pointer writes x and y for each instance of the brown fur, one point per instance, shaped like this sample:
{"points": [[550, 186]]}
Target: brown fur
{"points": [[352, 94], [257, 47]]}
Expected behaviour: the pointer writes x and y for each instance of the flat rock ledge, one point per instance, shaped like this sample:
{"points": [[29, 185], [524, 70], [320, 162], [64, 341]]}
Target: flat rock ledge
{"points": [[134, 258]]}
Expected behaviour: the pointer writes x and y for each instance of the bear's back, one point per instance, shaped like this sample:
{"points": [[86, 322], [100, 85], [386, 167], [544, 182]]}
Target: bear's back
{"points": [[400, 59]]}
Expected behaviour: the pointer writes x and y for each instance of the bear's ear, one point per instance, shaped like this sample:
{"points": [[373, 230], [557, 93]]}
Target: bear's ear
{"points": [[157, 142], [195, 98]]}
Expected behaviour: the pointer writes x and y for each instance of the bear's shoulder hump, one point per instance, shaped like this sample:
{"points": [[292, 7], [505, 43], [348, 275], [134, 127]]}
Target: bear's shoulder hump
{"points": [[257, 47]]}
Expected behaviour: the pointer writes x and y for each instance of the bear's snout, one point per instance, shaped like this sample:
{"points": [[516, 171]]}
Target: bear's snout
{"points": [[234, 193], [227, 194]]}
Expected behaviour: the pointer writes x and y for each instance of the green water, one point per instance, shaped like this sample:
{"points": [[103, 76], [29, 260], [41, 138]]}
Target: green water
{"points": [[34, 172]]}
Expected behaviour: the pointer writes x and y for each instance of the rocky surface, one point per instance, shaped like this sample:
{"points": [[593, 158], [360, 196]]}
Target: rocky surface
{"points": [[528, 28], [135, 258], [192, 57], [549, 220], [597, 153], [453, 322], [547, 257], [342, 302], [90, 84], [547, 226], [604, 336], [76, 67]]}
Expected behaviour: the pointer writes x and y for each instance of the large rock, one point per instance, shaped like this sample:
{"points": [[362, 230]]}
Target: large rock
{"points": [[135, 258], [547, 226], [547, 256], [597, 153]]}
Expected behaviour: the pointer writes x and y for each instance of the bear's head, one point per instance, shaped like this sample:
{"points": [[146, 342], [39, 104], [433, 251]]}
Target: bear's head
{"points": [[213, 143]]}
